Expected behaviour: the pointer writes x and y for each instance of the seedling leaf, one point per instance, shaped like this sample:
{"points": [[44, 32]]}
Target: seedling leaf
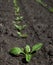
{"points": [[42, 3], [28, 57], [36, 47], [50, 9], [14, 1], [21, 17], [18, 27], [24, 26], [18, 19], [27, 48], [18, 9], [16, 51], [22, 35], [19, 33]]}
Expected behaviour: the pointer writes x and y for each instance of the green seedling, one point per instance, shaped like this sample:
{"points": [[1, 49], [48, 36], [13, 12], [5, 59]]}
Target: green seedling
{"points": [[27, 51], [17, 10], [19, 27], [42, 3], [19, 18], [45, 5], [16, 22], [16, 7], [16, 51], [15, 3], [22, 35]]}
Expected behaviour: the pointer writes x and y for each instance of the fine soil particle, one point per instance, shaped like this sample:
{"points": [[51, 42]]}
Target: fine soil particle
{"points": [[39, 29]]}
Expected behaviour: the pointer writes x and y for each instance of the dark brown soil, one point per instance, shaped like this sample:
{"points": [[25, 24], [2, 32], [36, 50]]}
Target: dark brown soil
{"points": [[39, 29]]}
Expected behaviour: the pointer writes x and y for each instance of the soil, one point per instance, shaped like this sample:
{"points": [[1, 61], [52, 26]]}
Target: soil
{"points": [[39, 29]]}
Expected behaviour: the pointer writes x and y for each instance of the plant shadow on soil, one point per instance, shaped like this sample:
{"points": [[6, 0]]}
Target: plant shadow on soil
{"points": [[22, 59]]}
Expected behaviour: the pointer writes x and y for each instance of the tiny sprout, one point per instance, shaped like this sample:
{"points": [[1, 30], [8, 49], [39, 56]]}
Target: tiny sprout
{"points": [[15, 3], [42, 3], [45, 5], [19, 27], [19, 18], [28, 53], [22, 35], [18, 9]]}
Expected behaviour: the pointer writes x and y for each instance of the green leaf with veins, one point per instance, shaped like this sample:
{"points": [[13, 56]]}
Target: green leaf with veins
{"points": [[28, 57], [37, 47], [27, 48], [16, 51]]}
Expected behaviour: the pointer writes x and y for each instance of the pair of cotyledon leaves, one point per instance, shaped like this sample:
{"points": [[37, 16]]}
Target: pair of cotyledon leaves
{"points": [[19, 27], [26, 51]]}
